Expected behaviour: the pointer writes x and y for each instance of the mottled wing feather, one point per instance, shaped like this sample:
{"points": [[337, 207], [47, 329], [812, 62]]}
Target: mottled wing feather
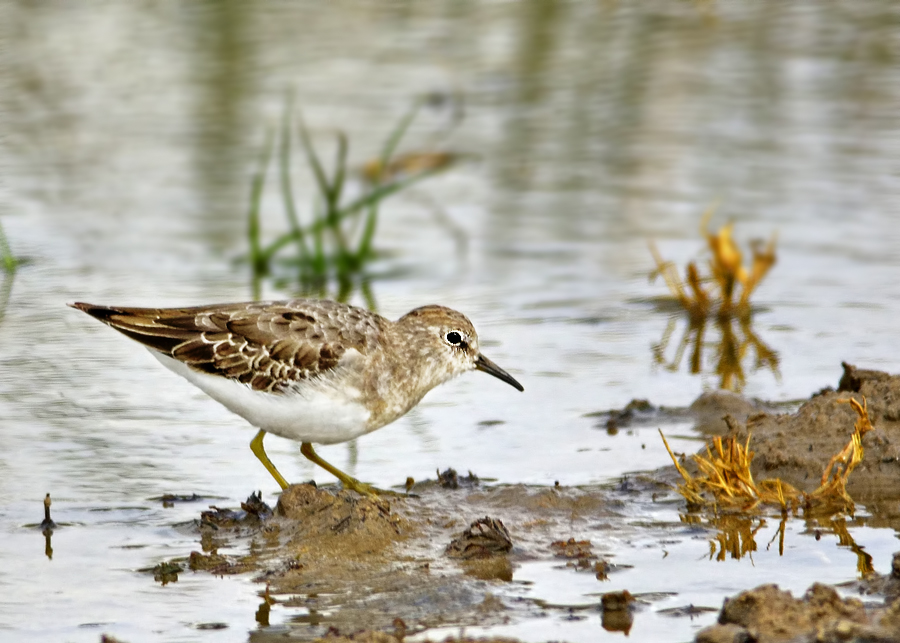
{"points": [[266, 345]]}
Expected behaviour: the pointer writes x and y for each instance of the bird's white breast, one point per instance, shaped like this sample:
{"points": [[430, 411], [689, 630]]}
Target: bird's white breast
{"points": [[323, 410]]}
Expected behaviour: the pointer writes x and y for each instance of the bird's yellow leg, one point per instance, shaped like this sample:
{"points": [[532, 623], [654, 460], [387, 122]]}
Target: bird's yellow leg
{"points": [[256, 445], [348, 481]]}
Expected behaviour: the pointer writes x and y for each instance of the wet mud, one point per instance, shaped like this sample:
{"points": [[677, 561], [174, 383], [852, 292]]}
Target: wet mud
{"points": [[796, 447], [379, 569], [769, 615]]}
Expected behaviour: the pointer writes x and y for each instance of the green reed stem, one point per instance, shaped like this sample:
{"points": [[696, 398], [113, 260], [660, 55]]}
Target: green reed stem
{"points": [[10, 263], [259, 260], [365, 243], [287, 191]]}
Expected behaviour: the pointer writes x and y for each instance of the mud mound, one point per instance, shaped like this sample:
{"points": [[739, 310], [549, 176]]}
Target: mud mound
{"points": [[329, 535], [796, 447], [381, 637], [769, 615], [345, 519]]}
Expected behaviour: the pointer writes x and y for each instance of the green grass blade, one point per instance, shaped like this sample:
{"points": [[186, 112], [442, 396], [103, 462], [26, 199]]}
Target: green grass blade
{"points": [[340, 172], [393, 141], [287, 191], [365, 288], [320, 267], [313, 158], [333, 205], [258, 259], [6, 256], [378, 194], [364, 249], [383, 191], [5, 292]]}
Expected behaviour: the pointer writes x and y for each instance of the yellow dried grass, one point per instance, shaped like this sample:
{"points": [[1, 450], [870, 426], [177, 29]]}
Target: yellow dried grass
{"points": [[725, 482], [726, 273]]}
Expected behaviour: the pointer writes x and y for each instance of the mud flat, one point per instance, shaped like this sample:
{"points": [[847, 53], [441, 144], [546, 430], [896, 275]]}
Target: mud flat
{"points": [[377, 570], [402, 565]]}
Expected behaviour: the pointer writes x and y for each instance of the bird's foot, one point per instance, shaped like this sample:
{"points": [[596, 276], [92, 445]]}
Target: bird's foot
{"points": [[365, 489]]}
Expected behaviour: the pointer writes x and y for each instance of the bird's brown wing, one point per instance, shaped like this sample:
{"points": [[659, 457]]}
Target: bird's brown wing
{"points": [[266, 345]]}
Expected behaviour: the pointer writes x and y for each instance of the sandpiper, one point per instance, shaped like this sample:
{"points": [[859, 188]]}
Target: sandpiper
{"points": [[310, 370]]}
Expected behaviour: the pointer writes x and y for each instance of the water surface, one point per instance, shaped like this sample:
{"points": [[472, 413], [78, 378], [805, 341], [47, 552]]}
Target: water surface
{"points": [[129, 135]]}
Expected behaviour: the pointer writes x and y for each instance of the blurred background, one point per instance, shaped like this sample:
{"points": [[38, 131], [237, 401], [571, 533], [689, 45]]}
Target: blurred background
{"points": [[510, 160]]}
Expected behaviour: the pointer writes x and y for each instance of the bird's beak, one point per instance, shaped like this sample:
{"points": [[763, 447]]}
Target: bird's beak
{"points": [[482, 363]]}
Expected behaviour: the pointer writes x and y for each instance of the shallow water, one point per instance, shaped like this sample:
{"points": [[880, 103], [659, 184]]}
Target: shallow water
{"points": [[128, 139]]}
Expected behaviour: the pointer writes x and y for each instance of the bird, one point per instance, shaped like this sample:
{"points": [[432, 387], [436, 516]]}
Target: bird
{"points": [[310, 370]]}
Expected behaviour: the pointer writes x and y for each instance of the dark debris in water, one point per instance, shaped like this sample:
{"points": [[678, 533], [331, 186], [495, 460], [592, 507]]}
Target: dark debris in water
{"points": [[211, 626], [47, 523], [571, 548], [217, 564], [164, 573], [484, 538], [687, 610], [636, 413], [615, 601], [169, 499], [449, 479], [255, 506], [253, 511], [618, 611], [580, 556]]}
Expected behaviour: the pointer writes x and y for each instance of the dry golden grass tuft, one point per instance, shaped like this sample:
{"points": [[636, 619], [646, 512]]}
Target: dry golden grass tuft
{"points": [[732, 282], [724, 481]]}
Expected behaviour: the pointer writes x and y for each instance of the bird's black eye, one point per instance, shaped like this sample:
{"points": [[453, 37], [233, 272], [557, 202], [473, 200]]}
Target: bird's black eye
{"points": [[454, 338]]}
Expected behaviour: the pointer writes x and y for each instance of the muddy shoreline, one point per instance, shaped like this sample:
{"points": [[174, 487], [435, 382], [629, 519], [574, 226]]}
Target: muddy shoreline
{"points": [[381, 569]]}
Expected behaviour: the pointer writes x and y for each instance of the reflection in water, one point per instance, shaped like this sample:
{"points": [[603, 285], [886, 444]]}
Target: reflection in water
{"points": [[47, 527], [313, 618], [735, 533], [617, 620], [863, 560], [265, 608], [597, 123], [723, 296], [736, 536], [8, 264], [779, 533], [221, 60], [5, 291], [737, 342], [166, 573]]}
